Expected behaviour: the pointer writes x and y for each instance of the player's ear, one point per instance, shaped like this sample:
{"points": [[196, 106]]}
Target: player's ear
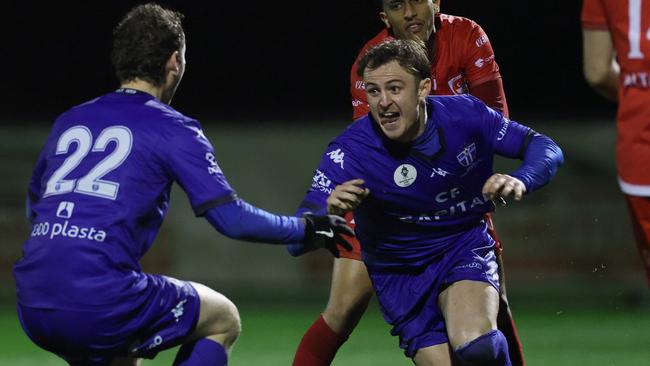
{"points": [[436, 6], [424, 89], [174, 62], [384, 18]]}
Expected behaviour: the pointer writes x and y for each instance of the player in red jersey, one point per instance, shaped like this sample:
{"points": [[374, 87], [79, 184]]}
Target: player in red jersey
{"points": [[462, 62], [616, 40]]}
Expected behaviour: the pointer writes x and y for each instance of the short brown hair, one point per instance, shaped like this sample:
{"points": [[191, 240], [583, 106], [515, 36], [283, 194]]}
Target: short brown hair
{"points": [[143, 41], [410, 54]]}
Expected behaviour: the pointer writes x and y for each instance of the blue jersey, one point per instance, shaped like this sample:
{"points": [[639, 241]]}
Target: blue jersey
{"points": [[99, 194], [423, 194]]}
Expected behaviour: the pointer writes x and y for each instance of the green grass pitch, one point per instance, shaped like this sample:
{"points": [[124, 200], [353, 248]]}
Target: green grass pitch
{"points": [[574, 336]]}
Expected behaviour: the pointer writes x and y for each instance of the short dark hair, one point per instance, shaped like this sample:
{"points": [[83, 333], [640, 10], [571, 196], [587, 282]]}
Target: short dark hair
{"points": [[410, 54], [143, 41]]}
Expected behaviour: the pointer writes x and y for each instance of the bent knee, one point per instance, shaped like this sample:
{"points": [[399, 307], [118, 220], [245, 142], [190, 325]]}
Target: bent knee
{"points": [[489, 349], [228, 322], [219, 316]]}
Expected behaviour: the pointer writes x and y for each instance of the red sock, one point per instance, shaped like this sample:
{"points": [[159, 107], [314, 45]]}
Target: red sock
{"points": [[318, 346]]}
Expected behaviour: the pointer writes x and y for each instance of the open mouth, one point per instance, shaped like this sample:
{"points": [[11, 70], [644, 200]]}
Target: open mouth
{"points": [[388, 119]]}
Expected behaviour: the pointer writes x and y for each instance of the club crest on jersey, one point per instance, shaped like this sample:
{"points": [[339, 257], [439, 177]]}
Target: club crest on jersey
{"points": [[337, 157], [467, 156], [457, 85], [405, 175]]}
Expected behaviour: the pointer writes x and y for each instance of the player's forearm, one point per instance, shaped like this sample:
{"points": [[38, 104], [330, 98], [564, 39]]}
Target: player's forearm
{"points": [[240, 220], [600, 67], [542, 158]]}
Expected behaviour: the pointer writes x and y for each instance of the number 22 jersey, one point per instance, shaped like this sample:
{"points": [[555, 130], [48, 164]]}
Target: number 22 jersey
{"points": [[99, 193]]}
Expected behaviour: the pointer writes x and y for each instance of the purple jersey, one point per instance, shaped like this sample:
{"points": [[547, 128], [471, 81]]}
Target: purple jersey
{"points": [[424, 194], [99, 194]]}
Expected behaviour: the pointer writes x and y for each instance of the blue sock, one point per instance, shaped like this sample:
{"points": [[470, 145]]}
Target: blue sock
{"points": [[490, 349], [204, 352]]}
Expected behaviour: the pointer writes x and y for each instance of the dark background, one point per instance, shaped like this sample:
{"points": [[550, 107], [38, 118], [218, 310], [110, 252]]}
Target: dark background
{"points": [[289, 61]]}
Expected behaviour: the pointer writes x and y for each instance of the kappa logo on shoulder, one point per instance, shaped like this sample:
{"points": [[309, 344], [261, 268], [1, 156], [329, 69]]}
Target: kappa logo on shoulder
{"points": [[337, 157]]}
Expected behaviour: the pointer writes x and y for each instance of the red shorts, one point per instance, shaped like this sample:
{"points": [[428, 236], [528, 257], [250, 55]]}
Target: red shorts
{"points": [[639, 208], [355, 253]]}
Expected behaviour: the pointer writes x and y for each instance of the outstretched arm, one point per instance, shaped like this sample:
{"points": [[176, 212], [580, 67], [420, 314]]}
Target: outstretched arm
{"points": [[239, 220]]}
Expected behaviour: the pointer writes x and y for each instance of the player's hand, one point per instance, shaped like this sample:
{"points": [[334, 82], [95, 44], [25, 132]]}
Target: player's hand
{"points": [[324, 231], [346, 197], [500, 186]]}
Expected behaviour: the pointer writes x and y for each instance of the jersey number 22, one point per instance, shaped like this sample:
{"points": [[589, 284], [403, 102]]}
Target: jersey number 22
{"points": [[92, 183]]}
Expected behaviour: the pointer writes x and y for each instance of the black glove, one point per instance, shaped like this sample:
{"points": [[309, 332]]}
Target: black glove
{"points": [[324, 231]]}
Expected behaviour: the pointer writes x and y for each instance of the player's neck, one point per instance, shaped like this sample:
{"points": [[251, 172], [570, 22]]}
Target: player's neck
{"points": [[144, 86]]}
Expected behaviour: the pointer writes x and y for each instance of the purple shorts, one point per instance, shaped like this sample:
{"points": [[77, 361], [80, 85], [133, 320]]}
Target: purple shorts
{"points": [[409, 298], [167, 314]]}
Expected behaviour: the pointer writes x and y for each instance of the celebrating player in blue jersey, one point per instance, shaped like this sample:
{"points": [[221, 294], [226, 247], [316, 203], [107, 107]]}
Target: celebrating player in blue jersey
{"points": [[98, 195], [417, 171]]}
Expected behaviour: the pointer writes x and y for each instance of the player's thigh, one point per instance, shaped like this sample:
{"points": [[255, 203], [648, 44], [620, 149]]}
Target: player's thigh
{"points": [[350, 294], [437, 355], [217, 315], [350, 283], [470, 309]]}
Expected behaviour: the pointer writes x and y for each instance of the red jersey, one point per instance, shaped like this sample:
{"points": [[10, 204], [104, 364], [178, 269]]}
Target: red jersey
{"points": [[628, 22], [462, 59]]}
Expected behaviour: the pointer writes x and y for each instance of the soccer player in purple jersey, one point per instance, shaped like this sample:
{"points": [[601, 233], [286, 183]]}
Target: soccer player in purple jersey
{"points": [[97, 197], [417, 171]]}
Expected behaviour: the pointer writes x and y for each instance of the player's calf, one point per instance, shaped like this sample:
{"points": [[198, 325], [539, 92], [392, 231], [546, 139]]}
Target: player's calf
{"points": [[490, 349]]}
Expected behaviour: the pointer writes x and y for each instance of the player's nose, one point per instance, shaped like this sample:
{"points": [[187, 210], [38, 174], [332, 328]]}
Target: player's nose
{"points": [[409, 11], [385, 100]]}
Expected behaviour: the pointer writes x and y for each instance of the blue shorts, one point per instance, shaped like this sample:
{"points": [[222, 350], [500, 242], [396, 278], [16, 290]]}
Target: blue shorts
{"points": [[409, 298], [166, 316]]}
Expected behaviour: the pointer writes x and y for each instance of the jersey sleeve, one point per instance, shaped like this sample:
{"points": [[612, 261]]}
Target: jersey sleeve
{"points": [[541, 156], [336, 167], [191, 160], [506, 138], [593, 15], [478, 57]]}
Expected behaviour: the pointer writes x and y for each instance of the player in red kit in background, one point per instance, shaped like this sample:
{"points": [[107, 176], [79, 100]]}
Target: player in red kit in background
{"points": [[462, 61], [616, 40]]}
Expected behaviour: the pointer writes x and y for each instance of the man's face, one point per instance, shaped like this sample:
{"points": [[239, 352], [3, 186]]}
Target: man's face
{"points": [[409, 18], [395, 98]]}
